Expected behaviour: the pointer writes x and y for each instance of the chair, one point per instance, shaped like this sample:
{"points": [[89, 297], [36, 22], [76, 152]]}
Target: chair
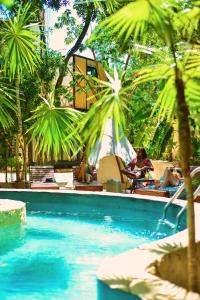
{"points": [[42, 177], [159, 168], [110, 168], [94, 185]]}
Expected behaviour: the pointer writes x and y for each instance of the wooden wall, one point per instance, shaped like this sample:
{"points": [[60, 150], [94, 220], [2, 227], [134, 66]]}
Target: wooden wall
{"points": [[80, 97], [84, 98]]}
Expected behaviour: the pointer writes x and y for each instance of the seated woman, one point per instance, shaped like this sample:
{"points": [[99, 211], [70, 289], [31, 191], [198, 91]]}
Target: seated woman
{"points": [[85, 172], [171, 177], [139, 167]]}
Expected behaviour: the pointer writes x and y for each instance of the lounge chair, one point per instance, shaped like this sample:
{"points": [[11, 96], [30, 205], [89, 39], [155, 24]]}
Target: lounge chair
{"points": [[110, 168], [93, 186], [42, 177]]}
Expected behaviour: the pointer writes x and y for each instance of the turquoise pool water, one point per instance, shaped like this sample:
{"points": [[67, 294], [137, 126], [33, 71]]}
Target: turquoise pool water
{"points": [[56, 254]]}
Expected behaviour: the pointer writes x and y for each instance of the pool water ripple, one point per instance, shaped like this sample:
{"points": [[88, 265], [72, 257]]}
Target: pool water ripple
{"points": [[57, 253]]}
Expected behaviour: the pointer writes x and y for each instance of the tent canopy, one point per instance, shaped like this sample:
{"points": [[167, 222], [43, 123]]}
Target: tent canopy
{"points": [[109, 145]]}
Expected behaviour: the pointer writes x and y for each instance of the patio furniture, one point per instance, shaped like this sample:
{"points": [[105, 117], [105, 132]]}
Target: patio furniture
{"points": [[93, 186], [152, 192], [42, 178], [44, 186], [110, 168], [136, 182]]}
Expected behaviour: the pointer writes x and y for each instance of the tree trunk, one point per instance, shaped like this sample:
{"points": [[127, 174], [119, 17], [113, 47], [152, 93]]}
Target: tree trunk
{"points": [[75, 47], [185, 153], [41, 19], [19, 137]]}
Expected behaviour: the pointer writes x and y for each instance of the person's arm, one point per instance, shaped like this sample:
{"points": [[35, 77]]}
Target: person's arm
{"points": [[147, 165], [132, 163]]}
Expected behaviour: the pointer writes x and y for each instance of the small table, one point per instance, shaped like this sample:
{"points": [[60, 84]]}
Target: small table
{"points": [[131, 175]]}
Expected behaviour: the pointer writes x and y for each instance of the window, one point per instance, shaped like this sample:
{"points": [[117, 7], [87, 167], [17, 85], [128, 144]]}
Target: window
{"points": [[92, 71]]}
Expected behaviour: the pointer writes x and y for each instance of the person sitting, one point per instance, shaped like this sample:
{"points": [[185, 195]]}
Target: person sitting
{"points": [[171, 177], [139, 166], [85, 172]]}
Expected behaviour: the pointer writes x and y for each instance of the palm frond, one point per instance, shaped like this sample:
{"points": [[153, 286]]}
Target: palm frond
{"points": [[192, 93], [110, 5], [189, 19], [134, 19], [165, 104], [166, 248], [20, 44], [111, 104], [7, 105], [193, 62], [156, 72], [55, 129]]}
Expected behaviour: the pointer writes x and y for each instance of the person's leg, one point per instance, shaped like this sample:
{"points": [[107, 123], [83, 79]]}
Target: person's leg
{"points": [[166, 178], [169, 179], [88, 177], [82, 173]]}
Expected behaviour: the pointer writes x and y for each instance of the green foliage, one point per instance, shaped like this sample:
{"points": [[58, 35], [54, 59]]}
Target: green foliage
{"points": [[48, 69], [35, 4], [19, 40], [7, 3], [107, 6], [111, 104], [69, 22], [54, 129], [7, 106]]}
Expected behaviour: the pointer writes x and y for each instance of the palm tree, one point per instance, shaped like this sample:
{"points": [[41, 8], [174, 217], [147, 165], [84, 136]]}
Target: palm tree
{"points": [[165, 18], [19, 53]]}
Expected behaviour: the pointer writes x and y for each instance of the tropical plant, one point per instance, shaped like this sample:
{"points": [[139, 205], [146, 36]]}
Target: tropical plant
{"points": [[19, 56], [7, 3], [7, 106], [111, 103], [134, 19], [54, 129]]}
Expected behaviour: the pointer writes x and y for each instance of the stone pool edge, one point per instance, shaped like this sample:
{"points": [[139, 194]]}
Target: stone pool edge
{"points": [[133, 271], [12, 212]]}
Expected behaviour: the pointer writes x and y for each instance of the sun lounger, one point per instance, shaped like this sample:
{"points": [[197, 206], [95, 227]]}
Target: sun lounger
{"points": [[42, 177], [93, 186]]}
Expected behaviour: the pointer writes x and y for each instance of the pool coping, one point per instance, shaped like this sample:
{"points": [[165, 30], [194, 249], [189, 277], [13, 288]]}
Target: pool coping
{"points": [[128, 270]]}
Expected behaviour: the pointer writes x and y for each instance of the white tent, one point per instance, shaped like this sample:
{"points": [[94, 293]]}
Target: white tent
{"points": [[109, 146]]}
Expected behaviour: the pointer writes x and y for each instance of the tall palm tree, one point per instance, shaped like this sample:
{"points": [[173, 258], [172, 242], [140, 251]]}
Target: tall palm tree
{"points": [[165, 17], [19, 52]]}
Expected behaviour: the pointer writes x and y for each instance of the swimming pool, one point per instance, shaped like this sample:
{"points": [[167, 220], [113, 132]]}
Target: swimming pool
{"points": [[56, 254]]}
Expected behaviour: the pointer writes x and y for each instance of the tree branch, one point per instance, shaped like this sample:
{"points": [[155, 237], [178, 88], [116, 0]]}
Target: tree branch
{"points": [[75, 47]]}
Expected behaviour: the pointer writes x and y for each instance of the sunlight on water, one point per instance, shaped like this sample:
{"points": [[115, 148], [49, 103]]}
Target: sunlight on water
{"points": [[56, 256]]}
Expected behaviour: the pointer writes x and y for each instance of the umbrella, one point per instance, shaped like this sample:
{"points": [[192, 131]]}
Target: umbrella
{"points": [[109, 145]]}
